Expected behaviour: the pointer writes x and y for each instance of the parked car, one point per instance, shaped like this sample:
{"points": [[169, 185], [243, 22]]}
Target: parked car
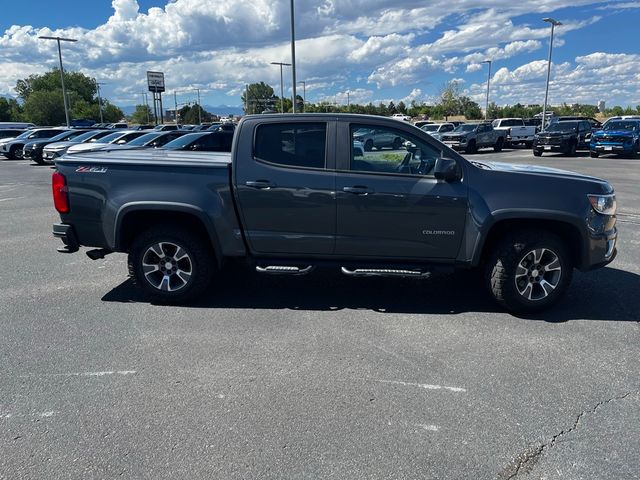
{"points": [[117, 125], [401, 116], [150, 140], [358, 149], [421, 123], [219, 141], [17, 125], [516, 132], [618, 136], [7, 133], [457, 123], [13, 148], [34, 149], [565, 137], [57, 149], [120, 137], [289, 199], [82, 122], [471, 137], [436, 130], [595, 124], [378, 139], [166, 128], [142, 127]]}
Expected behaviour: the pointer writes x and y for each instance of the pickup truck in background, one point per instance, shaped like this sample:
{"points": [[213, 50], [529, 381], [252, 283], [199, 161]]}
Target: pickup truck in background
{"points": [[565, 137], [471, 137], [515, 130], [292, 196]]}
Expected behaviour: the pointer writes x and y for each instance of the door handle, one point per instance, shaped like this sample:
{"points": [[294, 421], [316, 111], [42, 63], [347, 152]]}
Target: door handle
{"points": [[357, 190], [259, 184]]}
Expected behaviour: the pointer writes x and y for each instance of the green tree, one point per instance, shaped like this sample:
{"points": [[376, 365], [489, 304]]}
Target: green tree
{"points": [[450, 98], [44, 108], [10, 110], [402, 108], [142, 115], [85, 87], [258, 97], [110, 112]]}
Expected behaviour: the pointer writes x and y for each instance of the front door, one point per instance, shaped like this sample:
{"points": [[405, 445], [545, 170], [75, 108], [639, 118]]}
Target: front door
{"points": [[391, 207], [285, 187]]}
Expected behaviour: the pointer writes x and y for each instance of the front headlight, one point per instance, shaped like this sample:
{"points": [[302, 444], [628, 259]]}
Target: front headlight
{"points": [[604, 204]]}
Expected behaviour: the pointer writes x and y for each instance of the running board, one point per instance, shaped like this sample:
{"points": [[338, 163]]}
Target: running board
{"points": [[284, 270], [384, 272]]}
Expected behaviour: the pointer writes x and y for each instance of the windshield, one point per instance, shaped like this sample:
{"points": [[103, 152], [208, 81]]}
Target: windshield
{"points": [[86, 136], [183, 141], [64, 136], [618, 125], [430, 128], [112, 137], [465, 128], [144, 139], [562, 126]]}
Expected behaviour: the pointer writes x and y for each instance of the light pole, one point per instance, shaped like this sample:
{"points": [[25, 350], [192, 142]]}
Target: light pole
{"points": [[554, 23], [486, 110], [64, 91], [199, 108], [282, 83], [99, 98], [175, 104], [293, 56], [304, 95]]}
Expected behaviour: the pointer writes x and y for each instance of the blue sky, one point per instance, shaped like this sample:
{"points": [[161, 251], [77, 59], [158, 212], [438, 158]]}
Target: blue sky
{"points": [[377, 50]]}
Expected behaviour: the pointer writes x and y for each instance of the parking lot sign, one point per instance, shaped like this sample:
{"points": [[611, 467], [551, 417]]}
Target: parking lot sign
{"points": [[155, 81]]}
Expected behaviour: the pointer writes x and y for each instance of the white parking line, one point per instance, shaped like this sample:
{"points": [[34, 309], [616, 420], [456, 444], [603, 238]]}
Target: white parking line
{"points": [[82, 374], [426, 386]]}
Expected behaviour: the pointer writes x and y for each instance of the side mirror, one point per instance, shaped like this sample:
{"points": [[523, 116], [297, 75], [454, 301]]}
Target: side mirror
{"points": [[446, 169]]}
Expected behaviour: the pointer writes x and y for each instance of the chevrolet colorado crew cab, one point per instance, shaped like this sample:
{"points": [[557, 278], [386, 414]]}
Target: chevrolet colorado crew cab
{"points": [[471, 137], [292, 195]]}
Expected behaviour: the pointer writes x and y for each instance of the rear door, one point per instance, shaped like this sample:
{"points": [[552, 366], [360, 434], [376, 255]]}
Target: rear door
{"points": [[285, 186], [390, 206]]}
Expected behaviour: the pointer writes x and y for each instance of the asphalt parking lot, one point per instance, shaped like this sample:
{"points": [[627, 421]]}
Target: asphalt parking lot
{"points": [[316, 377]]}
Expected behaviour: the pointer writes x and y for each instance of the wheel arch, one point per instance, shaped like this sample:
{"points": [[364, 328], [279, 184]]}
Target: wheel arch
{"points": [[565, 228], [134, 218]]}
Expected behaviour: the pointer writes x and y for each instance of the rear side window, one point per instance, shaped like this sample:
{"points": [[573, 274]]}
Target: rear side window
{"points": [[292, 144]]}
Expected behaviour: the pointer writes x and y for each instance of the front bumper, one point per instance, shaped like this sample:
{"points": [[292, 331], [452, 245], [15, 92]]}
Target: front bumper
{"points": [[611, 148], [34, 153], [602, 249], [455, 144], [68, 236], [50, 156]]}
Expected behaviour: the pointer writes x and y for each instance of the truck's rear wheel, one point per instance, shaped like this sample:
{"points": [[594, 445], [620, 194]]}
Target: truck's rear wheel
{"points": [[528, 271], [498, 146], [170, 264]]}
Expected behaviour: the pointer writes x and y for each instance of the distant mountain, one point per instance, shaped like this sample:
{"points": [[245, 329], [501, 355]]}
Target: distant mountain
{"points": [[220, 110]]}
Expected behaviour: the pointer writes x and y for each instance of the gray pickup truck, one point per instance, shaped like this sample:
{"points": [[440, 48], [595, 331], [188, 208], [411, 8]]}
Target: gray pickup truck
{"points": [[471, 137], [292, 196]]}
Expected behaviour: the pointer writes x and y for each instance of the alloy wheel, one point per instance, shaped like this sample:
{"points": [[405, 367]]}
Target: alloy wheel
{"points": [[167, 266], [538, 274]]}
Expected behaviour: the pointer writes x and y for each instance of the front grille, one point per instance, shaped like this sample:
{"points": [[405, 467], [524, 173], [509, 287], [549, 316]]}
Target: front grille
{"points": [[612, 139], [549, 141], [450, 139]]}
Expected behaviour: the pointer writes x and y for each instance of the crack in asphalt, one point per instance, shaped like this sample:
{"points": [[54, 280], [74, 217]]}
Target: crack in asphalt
{"points": [[525, 461]]}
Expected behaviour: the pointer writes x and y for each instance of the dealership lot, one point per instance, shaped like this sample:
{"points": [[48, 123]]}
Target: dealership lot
{"points": [[312, 377]]}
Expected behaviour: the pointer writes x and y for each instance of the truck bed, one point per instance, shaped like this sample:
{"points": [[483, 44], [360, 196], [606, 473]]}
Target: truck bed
{"points": [[150, 157]]}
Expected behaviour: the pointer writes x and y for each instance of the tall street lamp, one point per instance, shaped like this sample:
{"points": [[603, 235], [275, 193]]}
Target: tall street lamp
{"points": [[293, 56], [554, 23], [304, 95], [486, 110], [99, 98], [282, 84], [64, 91]]}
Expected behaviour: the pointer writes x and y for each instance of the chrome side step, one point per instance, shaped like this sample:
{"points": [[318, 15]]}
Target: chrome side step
{"points": [[384, 272], [284, 270]]}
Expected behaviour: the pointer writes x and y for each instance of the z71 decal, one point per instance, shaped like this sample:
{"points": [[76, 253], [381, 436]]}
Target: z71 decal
{"points": [[91, 169]]}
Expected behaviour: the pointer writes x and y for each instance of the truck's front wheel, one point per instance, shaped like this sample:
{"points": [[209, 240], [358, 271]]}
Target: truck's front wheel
{"points": [[528, 271], [170, 264]]}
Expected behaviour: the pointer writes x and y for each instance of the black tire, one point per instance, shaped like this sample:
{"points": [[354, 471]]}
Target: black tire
{"points": [[368, 145], [38, 161], [397, 143], [528, 144], [593, 154], [471, 147], [571, 152], [537, 153], [518, 293], [635, 153], [200, 260], [13, 153], [498, 146]]}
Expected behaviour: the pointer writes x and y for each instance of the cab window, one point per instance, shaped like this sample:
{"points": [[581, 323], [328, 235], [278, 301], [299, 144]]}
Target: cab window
{"points": [[292, 144], [389, 151]]}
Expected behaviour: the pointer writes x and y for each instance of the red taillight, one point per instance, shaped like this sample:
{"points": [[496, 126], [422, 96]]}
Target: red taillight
{"points": [[60, 192]]}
